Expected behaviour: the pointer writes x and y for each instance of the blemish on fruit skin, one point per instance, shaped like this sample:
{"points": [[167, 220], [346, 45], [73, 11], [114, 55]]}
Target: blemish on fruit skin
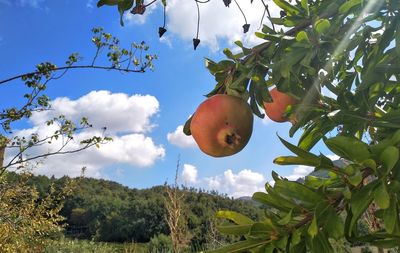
{"points": [[230, 139]]}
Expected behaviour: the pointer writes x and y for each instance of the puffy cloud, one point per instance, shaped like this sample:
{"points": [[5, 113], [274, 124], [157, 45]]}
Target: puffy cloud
{"points": [[119, 112], [244, 183], [179, 139], [216, 21], [189, 174], [300, 172], [128, 120]]}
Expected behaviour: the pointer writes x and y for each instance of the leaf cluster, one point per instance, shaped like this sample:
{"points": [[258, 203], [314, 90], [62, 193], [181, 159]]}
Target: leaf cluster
{"points": [[330, 204]]}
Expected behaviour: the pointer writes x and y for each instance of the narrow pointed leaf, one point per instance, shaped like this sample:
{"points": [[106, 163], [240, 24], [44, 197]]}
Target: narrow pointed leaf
{"points": [[313, 228], [389, 158], [238, 218], [381, 196], [348, 147], [391, 217], [240, 246], [294, 160], [299, 151], [286, 219]]}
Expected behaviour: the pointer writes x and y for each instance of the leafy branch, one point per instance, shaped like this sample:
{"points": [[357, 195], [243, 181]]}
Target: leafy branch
{"points": [[135, 59]]}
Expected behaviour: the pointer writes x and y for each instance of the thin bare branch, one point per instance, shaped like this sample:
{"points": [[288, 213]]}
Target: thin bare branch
{"points": [[75, 67]]}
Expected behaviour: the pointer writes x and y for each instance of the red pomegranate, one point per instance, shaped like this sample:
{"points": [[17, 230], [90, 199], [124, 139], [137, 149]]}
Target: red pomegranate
{"points": [[222, 125], [275, 110]]}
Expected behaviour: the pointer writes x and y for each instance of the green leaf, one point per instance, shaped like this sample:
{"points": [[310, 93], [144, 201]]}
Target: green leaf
{"points": [[391, 217], [389, 158], [281, 242], [334, 224], [296, 237], [386, 243], [348, 147], [287, 7], [122, 7], [321, 244], [272, 199], [322, 26], [108, 2], [355, 179], [360, 201], [263, 229], [369, 163], [234, 229], [313, 228], [304, 5], [381, 196], [186, 127], [300, 152], [286, 219], [298, 192], [295, 160], [348, 5], [240, 246], [238, 218], [302, 37], [314, 133], [346, 192]]}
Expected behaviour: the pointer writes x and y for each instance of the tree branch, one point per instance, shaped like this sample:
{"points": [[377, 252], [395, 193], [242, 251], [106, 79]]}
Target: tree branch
{"points": [[76, 67]]}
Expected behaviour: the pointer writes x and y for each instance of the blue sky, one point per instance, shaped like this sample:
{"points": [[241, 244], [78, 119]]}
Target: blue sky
{"points": [[142, 110]]}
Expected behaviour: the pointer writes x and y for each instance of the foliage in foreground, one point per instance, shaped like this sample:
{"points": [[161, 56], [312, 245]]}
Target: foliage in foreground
{"points": [[28, 220], [351, 49]]}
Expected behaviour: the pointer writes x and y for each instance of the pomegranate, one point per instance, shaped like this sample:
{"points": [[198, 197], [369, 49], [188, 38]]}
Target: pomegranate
{"points": [[275, 110], [222, 125]]}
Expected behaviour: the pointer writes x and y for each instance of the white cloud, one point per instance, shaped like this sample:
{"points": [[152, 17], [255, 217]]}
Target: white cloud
{"points": [[244, 183], [179, 139], [128, 119], [118, 111], [300, 172], [189, 174], [217, 22]]}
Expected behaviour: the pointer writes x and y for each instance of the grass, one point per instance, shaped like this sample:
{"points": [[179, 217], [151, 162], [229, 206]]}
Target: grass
{"points": [[65, 245]]}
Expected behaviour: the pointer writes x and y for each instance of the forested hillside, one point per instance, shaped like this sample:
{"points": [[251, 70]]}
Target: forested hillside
{"points": [[107, 211]]}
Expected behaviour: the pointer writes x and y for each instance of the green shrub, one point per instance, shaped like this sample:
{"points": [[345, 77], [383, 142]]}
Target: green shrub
{"points": [[161, 244]]}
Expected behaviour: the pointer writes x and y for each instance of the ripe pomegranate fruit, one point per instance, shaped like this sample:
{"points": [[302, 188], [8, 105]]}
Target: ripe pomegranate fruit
{"points": [[222, 125], [280, 101]]}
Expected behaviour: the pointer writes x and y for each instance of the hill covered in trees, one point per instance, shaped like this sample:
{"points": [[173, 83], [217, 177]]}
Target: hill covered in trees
{"points": [[107, 211]]}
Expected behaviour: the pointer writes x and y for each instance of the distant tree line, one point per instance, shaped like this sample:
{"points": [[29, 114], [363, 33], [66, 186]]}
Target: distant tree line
{"points": [[107, 211]]}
